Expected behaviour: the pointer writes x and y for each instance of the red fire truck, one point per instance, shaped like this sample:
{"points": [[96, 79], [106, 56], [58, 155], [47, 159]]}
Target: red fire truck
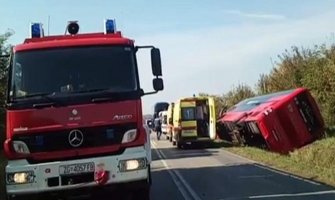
{"points": [[74, 115], [281, 121]]}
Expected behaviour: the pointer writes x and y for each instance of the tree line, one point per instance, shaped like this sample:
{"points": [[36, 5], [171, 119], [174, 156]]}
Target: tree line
{"points": [[312, 68], [5, 49]]}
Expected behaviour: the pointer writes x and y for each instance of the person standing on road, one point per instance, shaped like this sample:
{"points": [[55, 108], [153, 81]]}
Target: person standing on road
{"points": [[158, 129]]}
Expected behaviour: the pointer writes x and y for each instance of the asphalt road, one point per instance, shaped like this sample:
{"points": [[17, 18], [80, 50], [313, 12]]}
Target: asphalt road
{"points": [[215, 174]]}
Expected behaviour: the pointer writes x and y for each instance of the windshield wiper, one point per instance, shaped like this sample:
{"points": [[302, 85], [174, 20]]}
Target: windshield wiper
{"points": [[40, 94], [91, 90], [113, 96], [101, 99], [43, 105]]}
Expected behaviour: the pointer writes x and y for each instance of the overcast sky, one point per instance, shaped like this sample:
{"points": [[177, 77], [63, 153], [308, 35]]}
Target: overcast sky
{"points": [[206, 46]]}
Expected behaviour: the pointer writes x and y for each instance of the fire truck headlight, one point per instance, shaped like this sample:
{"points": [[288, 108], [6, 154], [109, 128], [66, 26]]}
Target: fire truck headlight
{"points": [[129, 136], [20, 147], [20, 177], [134, 164]]}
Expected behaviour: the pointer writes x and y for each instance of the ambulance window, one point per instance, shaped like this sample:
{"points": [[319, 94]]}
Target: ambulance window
{"points": [[188, 114]]}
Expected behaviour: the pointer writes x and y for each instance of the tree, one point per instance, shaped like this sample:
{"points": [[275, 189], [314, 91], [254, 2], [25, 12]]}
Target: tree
{"points": [[312, 68], [319, 77], [235, 95], [262, 86], [4, 52]]}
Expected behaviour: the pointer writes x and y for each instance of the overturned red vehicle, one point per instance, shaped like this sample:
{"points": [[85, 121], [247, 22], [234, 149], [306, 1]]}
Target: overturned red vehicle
{"points": [[281, 121]]}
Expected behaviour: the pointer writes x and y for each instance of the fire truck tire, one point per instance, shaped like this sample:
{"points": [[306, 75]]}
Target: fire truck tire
{"points": [[143, 194], [149, 175]]}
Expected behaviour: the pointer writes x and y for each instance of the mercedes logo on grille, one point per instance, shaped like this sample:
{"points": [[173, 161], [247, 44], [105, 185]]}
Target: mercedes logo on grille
{"points": [[76, 138], [74, 112]]}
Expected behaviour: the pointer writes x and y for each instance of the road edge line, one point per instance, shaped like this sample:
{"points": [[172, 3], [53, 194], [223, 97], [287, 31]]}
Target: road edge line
{"points": [[293, 195], [178, 183], [272, 169], [186, 185]]}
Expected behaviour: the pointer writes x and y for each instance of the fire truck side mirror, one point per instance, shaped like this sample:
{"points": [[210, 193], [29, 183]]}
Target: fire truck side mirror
{"points": [[158, 84], [156, 62]]}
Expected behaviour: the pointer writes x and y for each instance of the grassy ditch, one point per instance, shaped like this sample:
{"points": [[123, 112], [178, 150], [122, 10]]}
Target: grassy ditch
{"points": [[315, 161]]}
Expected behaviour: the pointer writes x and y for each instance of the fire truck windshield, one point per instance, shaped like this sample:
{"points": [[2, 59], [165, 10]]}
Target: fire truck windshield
{"points": [[73, 71]]}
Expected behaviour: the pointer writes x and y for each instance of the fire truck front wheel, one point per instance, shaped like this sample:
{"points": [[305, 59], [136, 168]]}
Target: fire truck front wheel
{"points": [[144, 193], [141, 190]]}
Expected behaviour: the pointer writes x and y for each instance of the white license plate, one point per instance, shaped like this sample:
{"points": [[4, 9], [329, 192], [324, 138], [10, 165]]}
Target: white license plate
{"points": [[76, 168]]}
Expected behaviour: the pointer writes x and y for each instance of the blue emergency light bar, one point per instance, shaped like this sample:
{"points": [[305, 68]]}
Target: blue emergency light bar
{"points": [[36, 30], [110, 26]]}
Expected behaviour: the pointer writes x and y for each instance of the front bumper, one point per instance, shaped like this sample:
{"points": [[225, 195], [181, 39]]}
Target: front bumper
{"points": [[48, 177]]}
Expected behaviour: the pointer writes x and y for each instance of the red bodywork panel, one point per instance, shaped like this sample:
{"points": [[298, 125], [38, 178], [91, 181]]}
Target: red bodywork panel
{"points": [[89, 115], [280, 122], [93, 39]]}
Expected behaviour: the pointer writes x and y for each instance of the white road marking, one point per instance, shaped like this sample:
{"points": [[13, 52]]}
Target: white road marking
{"points": [[260, 165], [287, 174], [175, 175], [293, 195], [196, 154], [188, 187]]}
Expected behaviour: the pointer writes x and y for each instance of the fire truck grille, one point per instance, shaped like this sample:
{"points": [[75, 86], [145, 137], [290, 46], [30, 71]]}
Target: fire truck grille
{"points": [[75, 138]]}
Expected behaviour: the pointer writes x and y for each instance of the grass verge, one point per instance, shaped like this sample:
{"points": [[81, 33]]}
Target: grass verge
{"points": [[315, 161]]}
